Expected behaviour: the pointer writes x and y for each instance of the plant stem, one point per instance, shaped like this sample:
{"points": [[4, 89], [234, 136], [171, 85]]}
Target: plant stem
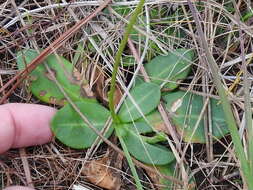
{"points": [[129, 160], [115, 117], [122, 46], [225, 103]]}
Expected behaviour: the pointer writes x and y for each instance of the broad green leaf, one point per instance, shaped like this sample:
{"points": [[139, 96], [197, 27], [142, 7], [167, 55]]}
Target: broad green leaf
{"points": [[143, 151], [144, 128], [173, 67], [141, 127], [146, 96], [42, 84], [137, 81], [185, 109], [154, 120], [153, 123], [71, 130], [168, 170]]}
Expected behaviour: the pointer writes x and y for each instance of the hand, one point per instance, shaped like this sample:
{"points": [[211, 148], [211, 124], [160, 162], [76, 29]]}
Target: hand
{"points": [[23, 125]]}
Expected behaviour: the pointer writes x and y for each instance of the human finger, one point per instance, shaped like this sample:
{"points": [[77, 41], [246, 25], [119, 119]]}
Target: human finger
{"points": [[23, 125], [18, 188]]}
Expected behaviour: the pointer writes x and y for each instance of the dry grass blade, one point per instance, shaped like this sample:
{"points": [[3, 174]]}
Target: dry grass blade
{"points": [[26, 167], [225, 102]]}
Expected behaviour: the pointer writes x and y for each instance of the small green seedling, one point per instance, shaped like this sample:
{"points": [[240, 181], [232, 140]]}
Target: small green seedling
{"points": [[68, 126], [143, 99], [138, 115], [137, 121]]}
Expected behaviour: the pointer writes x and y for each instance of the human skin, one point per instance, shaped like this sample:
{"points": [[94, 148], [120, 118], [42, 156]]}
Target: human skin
{"points": [[23, 125], [18, 188]]}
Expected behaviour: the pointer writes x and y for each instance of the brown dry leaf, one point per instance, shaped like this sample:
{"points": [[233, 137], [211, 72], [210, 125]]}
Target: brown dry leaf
{"points": [[234, 46], [100, 87], [161, 127], [85, 87], [117, 96], [101, 173], [156, 121]]}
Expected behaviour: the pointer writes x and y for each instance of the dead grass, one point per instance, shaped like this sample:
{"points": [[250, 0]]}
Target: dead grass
{"points": [[36, 24]]}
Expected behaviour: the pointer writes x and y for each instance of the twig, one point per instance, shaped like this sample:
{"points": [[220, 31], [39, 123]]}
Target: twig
{"points": [[23, 157]]}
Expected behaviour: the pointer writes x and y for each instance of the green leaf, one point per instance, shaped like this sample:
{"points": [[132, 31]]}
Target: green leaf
{"points": [[185, 109], [146, 96], [79, 53], [144, 128], [154, 120], [42, 84], [157, 138], [141, 127], [71, 130], [138, 80], [153, 123], [142, 150], [173, 67], [169, 170]]}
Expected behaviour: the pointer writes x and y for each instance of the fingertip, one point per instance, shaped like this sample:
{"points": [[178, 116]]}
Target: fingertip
{"points": [[7, 130], [18, 188], [24, 125]]}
